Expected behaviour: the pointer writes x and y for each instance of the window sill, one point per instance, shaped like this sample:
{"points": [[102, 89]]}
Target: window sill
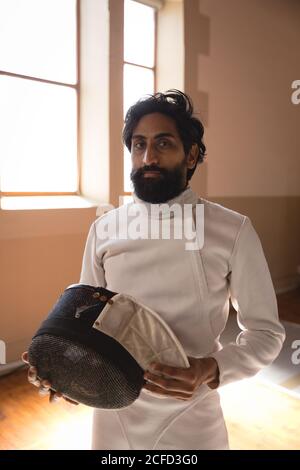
{"points": [[47, 216], [9, 203]]}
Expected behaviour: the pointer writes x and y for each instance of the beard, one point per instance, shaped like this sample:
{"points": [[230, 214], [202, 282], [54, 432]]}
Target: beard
{"points": [[159, 189]]}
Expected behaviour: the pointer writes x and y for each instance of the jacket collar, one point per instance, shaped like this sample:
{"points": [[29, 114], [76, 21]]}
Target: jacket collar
{"points": [[185, 197]]}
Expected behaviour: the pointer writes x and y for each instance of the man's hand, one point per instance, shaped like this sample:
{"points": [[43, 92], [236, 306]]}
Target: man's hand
{"points": [[43, 385], [182, 383]]}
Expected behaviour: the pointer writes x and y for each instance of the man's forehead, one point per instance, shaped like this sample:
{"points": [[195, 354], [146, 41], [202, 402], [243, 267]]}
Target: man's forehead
{"points": [[155, 125], [156, 136]]}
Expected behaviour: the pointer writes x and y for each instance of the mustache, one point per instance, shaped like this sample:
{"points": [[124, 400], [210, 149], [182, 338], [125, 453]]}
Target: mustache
{"points": [[141, 171]]}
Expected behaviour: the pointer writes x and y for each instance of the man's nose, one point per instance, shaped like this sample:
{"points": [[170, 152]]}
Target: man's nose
{"points": [[150, 156]]}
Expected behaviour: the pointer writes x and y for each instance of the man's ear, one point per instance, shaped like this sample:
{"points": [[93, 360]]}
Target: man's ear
{"points": [[192, 157]]}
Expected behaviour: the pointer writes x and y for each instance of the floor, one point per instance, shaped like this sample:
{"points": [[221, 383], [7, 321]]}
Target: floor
{"points": [[28, 421], [289, 306], [258, 415]]}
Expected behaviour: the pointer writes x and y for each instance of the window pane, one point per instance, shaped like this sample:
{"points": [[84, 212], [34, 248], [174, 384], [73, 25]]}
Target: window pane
{"points": [[38, 38], [138, 33], [38, 145], [137, 83]]}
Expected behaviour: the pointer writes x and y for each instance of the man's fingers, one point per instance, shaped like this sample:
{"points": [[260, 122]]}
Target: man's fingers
{"points": [[179, 373], [43, 391], [54, 396], [44, 388], [32, 372], [24, 357], [71, 401], [44, 385], [32, 377], [170, 385], [166, 393], [51, 396]]}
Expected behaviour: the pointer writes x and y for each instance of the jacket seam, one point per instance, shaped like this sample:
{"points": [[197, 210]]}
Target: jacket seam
{"points": [[123, 429], [237, 239], [173, 419], [95, 242]]}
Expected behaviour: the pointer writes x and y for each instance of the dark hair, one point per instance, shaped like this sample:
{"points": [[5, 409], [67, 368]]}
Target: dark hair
{"points": [[179, 107]]}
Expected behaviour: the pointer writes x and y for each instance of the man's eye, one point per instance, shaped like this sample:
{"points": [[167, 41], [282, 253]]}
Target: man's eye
{"points": [[138, 145], [163, 143]]}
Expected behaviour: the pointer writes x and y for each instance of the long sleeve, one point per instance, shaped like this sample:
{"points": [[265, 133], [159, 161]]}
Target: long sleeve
{"points": [[92, 272], [253, 297]]}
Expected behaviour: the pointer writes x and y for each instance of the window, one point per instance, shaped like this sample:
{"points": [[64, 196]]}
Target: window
{"points": [[139, 61], [39, 86]]}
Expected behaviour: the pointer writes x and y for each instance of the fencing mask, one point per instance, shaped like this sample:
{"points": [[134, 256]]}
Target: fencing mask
{"points": [[95, 345]]}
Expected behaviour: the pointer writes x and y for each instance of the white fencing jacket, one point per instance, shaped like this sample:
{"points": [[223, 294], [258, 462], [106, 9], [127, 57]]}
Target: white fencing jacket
{"points": [[190, 289]]}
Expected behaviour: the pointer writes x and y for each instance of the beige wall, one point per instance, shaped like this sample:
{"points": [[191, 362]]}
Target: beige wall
{"points": [[253, 128], [276, 220], [241, 58], [40, 253]]}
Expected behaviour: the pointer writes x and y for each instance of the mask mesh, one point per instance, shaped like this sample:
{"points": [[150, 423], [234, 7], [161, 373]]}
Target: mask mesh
{"points": [[84, 375]]}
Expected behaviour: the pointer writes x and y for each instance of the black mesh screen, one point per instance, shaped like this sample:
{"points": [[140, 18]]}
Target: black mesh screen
{"points": [[85, 375]]}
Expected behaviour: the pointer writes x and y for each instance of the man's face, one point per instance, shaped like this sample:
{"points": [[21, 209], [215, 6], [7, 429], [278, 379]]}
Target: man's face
{"points": [[159, 164]]}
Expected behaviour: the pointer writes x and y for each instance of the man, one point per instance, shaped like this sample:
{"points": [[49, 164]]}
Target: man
{"points": [[190, 289]]}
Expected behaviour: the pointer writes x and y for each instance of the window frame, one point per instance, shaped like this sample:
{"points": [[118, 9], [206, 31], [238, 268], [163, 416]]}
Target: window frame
{"points": [[75, 87], [154, 69]]}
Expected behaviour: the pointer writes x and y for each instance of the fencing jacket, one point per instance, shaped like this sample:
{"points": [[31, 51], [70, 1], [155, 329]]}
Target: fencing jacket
{"points": [[190, 289]]}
